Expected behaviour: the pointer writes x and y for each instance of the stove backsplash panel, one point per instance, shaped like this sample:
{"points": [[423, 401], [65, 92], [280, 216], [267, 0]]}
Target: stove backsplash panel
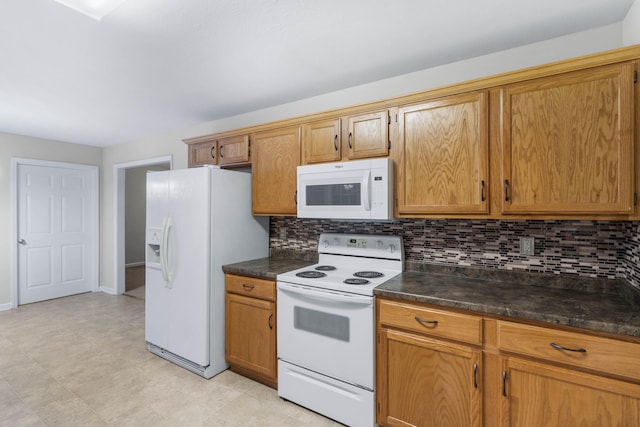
{"points": [[584, 248]]}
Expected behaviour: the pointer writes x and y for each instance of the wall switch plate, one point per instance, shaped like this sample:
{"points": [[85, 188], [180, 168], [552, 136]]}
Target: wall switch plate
{"points": [[527, 246], [282, 233]]}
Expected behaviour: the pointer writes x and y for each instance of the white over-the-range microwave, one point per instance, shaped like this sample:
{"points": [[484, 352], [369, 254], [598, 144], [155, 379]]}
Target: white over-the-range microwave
{"points": [[357, 189]]}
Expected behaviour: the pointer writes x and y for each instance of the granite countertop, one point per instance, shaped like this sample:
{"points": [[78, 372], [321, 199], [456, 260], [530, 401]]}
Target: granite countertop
{"points": [[603, 305], [265, 268]]}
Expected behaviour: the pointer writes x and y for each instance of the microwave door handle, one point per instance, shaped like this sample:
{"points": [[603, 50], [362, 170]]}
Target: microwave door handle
{"points": [[366, 190]]}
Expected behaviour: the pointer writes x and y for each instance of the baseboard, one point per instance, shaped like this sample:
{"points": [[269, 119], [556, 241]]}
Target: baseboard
{"points": [[106, 290], [134, 264], [6, 306]]}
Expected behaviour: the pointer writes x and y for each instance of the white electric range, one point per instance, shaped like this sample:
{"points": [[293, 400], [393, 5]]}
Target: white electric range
{"points": [[326, 325]]}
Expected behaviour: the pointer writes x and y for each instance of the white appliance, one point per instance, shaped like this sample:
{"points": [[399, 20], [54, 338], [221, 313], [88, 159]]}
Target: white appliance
{"points": [[359, 189], [326, 326], [197, 220]]}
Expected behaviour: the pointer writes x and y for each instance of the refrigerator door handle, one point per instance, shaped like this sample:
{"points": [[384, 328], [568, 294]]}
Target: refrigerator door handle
{"points": [[164, 251]]}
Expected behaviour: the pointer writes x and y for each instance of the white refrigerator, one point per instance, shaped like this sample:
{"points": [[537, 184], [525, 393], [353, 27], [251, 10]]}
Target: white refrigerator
{"points": [[197, 220]]}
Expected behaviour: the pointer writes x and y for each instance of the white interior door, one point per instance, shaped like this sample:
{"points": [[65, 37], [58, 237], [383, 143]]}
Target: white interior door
{"points": [[57, 241]]}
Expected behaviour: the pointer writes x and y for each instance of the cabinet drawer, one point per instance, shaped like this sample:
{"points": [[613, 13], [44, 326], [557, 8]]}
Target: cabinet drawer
{"points": [[606, 355], [430, 321], [250, 286]]}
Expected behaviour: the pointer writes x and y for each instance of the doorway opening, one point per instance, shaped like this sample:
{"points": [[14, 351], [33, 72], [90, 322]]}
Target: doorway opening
{"points": [[130, 207]]}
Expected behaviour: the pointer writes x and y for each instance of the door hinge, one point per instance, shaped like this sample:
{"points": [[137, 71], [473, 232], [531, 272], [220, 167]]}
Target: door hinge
{"points": [[388, 118], [635, 76]]}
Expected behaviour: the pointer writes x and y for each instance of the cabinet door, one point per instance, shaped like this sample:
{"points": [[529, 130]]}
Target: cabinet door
{"points": [[321, 141], [234, 149], [368, 135], [251, 335], [276, 154], [540, 395], [427, 383], [567, 143], [444, 161], [203, 153]]}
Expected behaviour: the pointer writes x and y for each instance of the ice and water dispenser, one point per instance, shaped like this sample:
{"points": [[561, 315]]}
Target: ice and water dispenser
{"points": [[154, 240]]}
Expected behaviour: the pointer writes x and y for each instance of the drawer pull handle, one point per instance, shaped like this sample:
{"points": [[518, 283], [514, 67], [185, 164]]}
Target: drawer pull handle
{"points": [[247, 287], [504, 383], [270, 318], [475, 375], [429, 322], [559, 347]]}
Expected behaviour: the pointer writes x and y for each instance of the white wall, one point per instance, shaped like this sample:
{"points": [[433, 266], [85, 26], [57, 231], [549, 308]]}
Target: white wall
{"points": [[578, 44], [631, 25], [31, 148]]}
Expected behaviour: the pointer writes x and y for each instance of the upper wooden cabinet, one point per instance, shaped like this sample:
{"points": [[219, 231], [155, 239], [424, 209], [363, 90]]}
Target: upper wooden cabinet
{"points": [[567, 143], [233, 150], [229, 151], [276, 154], [203, 153], [352, 137], [321, 141], [368, 135], [443, 161]]}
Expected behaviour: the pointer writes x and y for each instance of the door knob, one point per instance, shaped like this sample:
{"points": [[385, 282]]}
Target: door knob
{"points": [[22, 242]]}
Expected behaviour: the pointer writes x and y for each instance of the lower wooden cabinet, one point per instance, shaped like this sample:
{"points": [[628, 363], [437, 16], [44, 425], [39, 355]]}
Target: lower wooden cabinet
{"points": [[426, 382], [251, 328], [451, 368], [422, 380], [543, 395]]}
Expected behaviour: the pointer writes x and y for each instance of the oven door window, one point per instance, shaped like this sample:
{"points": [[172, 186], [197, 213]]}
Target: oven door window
{"points": [[342, 194], [321, 323]]}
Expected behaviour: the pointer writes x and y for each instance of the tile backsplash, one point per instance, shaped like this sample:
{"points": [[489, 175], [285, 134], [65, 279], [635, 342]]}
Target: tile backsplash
{"points": [[606, 249]]}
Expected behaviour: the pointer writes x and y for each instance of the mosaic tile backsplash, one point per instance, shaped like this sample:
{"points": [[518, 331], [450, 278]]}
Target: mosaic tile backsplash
{"points": [[606, 249]]}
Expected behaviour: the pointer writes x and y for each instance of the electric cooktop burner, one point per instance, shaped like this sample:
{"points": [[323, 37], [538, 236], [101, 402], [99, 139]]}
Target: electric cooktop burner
{"points": [[368, 274], [311, 274], [356, 281], [325, 268]]}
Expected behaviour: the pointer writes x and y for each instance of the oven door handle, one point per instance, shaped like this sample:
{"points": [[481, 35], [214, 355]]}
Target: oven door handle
{"points": [[326, 295]]}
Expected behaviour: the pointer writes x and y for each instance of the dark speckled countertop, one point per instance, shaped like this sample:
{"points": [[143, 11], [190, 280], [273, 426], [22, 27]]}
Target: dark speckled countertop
{"points": [[603, 305], [265, 268]]}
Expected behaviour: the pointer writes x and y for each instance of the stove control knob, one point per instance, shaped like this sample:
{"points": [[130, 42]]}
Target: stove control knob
{"points": [[325, 243], [379, 244], [392, 248], [336, 241]]}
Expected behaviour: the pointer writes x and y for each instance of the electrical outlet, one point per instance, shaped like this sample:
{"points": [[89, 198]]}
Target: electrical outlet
{"points": [[527, 246], [282, 233]]}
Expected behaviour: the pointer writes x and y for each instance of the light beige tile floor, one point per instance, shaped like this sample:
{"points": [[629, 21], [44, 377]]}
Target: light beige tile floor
{"points": [[82, 361]]}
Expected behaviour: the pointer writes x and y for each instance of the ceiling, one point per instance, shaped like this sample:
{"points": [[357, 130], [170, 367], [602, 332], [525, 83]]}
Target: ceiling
{"points": [[153, 66]]}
